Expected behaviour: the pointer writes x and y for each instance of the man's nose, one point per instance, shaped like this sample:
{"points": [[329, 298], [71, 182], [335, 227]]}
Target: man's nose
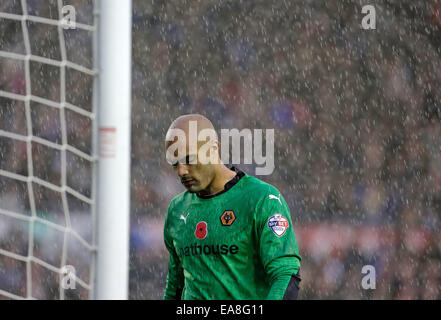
{"points": [[182, 170]]}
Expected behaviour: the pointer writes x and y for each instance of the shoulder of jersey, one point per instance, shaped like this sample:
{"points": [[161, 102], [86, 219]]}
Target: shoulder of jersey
{"points": [[259, 188], [179, 199]]}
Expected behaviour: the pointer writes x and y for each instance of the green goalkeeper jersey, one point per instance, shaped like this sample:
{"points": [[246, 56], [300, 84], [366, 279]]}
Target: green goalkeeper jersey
{"points": [[236, 244]]}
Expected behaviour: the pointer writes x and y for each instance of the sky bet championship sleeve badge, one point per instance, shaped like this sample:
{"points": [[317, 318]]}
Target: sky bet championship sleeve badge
{"points": [[278, 224]]}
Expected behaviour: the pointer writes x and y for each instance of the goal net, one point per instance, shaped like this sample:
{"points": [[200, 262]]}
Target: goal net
{"points": [[48, 149]]}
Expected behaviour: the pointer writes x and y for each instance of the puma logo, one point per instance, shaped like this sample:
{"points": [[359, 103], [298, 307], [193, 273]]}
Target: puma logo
{"points": [[184, 218], [271, 196]]}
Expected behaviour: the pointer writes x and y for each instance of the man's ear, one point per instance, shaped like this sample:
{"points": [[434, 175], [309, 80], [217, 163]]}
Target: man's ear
{"points": [[214, 151], [216, 146]]}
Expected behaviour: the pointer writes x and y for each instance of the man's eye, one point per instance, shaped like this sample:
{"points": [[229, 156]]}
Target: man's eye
{"points": [[191, 159], [188, 160]]}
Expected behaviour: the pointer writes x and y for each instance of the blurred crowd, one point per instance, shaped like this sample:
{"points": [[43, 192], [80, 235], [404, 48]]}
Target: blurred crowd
{"points": [[357, 120]]}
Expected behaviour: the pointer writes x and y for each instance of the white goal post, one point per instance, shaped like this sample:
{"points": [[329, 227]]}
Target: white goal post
{"points": [[115, 29], [108, 202]]}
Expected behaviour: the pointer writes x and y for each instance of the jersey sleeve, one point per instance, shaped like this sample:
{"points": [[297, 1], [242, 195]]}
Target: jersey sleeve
{"points": [[175, 277], [277, 243]]}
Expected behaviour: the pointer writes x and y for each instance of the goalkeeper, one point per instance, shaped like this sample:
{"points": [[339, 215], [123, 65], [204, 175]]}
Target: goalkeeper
{"points": [[229, 235]]}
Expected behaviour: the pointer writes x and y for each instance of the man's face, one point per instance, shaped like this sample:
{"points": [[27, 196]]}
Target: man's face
{"points": [[194, 175]]}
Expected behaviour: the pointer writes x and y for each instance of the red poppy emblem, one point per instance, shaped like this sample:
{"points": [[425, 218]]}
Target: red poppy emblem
{"points": [[201, 230]]}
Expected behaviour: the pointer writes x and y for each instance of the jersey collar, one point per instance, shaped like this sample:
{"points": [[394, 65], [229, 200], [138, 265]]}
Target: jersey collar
{"points": [[228, 185]]}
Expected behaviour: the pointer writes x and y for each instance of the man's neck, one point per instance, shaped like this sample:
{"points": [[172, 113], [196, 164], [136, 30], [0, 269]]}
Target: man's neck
{"points": [[222, 176]]}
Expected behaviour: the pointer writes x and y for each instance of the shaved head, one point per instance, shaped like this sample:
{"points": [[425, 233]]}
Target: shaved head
{"points": [[188, 135], [183, 121], [192, 148]]}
